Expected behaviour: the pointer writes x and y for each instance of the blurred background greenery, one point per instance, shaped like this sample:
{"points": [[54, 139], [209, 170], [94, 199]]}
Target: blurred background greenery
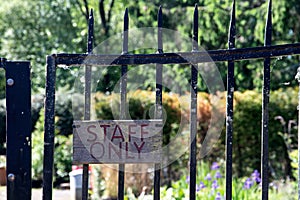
{"points": [[30, 30]]}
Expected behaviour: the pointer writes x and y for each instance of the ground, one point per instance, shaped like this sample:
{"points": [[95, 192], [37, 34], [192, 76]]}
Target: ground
{"points": [[37, 194]]}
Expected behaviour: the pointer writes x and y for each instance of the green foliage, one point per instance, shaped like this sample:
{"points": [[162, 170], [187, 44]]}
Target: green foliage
{"points": [[141, 106], [32, 29], [62, 155], [179, 190], [294, 157], [98, 183], [2, 83], [214, 19], [247, 126], [38, 149], [247, 131], [63, 114], [2, 124]]}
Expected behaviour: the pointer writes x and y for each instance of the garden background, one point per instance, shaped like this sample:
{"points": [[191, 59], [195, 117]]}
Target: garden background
{"points": [[30, 30]]}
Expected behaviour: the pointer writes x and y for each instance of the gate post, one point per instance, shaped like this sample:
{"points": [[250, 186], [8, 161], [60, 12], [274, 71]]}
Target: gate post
{"points": [[49, 128], [18, 129]]}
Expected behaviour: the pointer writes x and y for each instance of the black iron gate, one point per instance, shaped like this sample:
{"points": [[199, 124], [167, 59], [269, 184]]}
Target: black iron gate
{"points": [[18, 128], [230, 55]]}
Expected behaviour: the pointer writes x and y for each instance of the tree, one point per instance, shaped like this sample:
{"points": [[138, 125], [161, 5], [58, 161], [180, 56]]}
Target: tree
{"points": [[33, 29], [214, 19]]}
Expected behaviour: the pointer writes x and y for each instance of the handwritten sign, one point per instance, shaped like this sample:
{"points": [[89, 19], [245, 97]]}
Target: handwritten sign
{"points": [[117, 141]]}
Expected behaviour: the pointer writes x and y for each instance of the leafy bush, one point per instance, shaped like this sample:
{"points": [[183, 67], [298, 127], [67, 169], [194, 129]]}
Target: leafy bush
{"points": [[63, 148], [210, 182], [37, 140], [247, 131], [247, 127]]}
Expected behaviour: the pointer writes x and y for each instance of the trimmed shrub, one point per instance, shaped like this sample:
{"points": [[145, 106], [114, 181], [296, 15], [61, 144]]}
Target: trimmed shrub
{"points": [[247, 132], [247, 127], [63, 141]]}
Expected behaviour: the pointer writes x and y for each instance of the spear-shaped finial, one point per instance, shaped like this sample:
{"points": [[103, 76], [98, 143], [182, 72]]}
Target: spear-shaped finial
{"points": [[232, 30], [90, 32], [159, 31], [125, 32], [195, 29], [268, 29]]}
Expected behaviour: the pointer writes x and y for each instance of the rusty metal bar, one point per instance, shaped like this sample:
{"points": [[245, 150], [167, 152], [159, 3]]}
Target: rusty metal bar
{"points": [[265, 108], [123, 91], [87, 100], [180, 57], [229, 107], [158, 100], [193, 113]]}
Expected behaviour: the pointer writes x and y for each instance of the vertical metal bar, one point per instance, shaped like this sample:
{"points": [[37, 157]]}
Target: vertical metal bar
{"points": [[87, 101], [49, 128], [90, 41], [229, 107], [2, 62], [158, 99], [123, 92], [265, 105], [18, 126], [193, 110], [298, 79]]}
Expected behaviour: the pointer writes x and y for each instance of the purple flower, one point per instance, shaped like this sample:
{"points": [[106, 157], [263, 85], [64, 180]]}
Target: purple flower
{"points": [[256, 176], [202, 185], [248, 184], [215, 185], [187, 180], [208, 177], [218, 196], [218, 175], [215, 166]]}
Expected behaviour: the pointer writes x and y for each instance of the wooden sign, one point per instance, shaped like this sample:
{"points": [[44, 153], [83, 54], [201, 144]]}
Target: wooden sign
{"points": [[117, 141]]}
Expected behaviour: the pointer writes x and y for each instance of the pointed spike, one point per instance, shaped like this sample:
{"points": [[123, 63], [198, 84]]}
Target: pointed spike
{"points": [[232, 29], [159, 16], [268, 29], [126, 20], [92, 13], [196, 9], [159, 31], [125, 32], [90, 32], [195, 28]]}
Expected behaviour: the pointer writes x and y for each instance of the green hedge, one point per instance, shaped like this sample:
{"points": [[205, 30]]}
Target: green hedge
{"points": [[63, 141], [247, 131], [247, 126]]}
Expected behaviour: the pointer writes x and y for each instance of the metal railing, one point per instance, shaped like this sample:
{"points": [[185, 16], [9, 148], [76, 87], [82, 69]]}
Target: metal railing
{"points": [[18, 128], [159, 58]]}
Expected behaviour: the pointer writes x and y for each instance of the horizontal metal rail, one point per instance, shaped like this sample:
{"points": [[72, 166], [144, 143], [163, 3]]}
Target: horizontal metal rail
{"points": [[191, 59], [180, 57]]}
